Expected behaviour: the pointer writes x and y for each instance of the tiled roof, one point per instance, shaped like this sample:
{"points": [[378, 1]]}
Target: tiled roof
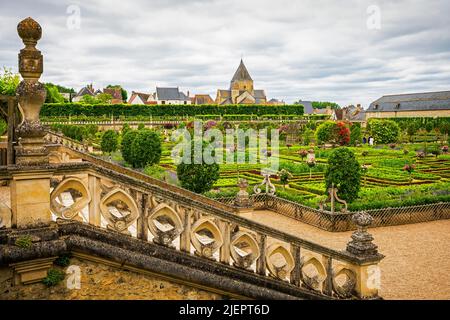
{"points": [[412, 102], [203, 99]]}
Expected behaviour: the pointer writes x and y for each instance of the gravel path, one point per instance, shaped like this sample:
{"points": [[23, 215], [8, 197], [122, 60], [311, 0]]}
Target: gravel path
{"points": [[417, 262]]}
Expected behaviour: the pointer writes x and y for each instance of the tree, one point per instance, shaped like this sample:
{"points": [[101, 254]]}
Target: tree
{"points": [[197, 177], [324, 105], [127, 141], [342, 133], [345, 172], [325, 132], [355, 134], [53, 95], [103, 98], [411, 129], [122, 91], [109, 141], [284, 177], [145, 148], [384, 131], [8, 82]]}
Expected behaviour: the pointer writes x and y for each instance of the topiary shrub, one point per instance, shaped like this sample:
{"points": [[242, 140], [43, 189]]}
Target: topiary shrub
{"points": [[127, 141], [109, 141], [145, 148], [197, 177], [345, 172], [384, 131], [325, 132]]}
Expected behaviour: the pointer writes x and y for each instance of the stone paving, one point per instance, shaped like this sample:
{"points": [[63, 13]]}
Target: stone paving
{"points": [[417, 262]]}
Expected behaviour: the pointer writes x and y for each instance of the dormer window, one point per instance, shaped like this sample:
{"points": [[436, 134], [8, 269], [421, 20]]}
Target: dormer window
{"points": [[397, 106], [376, 106]]}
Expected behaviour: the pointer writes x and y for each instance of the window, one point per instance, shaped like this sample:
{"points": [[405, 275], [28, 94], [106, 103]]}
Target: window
{"points": [[376, 107], [398, 106], [163, 102], [185, 102]]}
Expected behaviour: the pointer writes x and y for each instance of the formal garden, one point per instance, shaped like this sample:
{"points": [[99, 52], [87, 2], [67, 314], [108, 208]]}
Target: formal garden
{"points": [[404, 166]]}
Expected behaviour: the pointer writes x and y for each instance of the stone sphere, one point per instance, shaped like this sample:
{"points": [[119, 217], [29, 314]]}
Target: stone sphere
{"points": [[29, 29]]}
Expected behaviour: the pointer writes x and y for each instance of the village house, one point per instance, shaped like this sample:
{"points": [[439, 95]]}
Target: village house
{"points": [[169, 96], [429, 104], [139, 98]]}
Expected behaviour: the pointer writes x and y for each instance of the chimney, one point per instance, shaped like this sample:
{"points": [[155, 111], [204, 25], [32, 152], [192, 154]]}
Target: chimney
{"points": [[188, 94]]}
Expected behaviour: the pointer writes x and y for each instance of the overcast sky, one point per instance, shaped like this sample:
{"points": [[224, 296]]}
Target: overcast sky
{"points": [[309, 49]]}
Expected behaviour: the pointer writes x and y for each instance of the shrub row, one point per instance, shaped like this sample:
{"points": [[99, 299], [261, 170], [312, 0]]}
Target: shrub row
{"points": [[66, 109]]}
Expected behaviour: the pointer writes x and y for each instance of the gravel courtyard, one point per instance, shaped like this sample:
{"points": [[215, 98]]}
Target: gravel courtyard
{"points": [[417, 262]]}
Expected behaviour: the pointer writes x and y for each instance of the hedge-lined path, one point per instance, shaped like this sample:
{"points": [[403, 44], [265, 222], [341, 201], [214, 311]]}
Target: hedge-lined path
{"points": [[417, 262]]}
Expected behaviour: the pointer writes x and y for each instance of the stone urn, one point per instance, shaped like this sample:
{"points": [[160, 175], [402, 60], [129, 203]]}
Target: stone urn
{"points": [[242, 201]]}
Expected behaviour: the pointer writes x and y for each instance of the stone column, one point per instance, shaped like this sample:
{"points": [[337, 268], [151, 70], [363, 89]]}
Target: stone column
{"points": [[31, 95]]}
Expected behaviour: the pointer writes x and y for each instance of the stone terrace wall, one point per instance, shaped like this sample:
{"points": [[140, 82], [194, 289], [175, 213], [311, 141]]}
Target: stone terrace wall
{"points": [[103, 282]]}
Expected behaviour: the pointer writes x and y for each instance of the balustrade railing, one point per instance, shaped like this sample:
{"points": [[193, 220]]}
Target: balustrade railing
{"points": [[107, 199], [342, 221]]}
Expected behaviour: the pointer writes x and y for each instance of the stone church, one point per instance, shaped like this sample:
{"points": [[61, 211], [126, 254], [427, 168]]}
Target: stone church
{"points": [[241, 90]]}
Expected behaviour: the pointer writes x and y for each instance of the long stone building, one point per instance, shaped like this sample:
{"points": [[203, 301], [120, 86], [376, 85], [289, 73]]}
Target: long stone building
{"points": [[429, 104]]}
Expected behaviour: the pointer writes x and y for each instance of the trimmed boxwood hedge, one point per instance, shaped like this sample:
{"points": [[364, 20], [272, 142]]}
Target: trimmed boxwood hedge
{"points": [[66, 109]]}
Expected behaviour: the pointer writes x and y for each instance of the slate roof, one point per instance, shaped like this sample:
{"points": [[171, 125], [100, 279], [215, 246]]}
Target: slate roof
{"points": [[241, 73], [259, 94], [412, 102], [308, 108], [84, 91], [170, 94]]}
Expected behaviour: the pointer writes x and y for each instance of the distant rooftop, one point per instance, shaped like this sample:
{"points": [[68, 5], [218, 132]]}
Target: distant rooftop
{"points": [[412, 102]]}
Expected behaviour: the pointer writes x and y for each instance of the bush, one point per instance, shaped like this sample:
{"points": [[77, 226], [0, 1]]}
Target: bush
{"points": [[109, 141], [8, 82], [384, 131], [345, 172], [198, 178], [127, 141], [325, 132], [145, 148]]}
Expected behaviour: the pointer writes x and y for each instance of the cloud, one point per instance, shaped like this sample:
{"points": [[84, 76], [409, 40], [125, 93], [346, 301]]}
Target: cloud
{"points": [[318, 50]]}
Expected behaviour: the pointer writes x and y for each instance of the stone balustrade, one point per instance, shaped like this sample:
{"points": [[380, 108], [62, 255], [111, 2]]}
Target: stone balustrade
{"points": [[107, 199]]}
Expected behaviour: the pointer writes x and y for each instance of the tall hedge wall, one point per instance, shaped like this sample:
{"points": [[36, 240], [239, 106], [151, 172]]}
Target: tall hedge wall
{"points": [[66, 109]]}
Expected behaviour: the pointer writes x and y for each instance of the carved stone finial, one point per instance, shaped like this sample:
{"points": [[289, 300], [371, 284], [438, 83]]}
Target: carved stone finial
{"points": [[31, 95], [29, 31], [361, 243]]}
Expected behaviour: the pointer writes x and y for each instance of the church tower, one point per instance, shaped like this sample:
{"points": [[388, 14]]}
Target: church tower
{"points": [[241, 80]]}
